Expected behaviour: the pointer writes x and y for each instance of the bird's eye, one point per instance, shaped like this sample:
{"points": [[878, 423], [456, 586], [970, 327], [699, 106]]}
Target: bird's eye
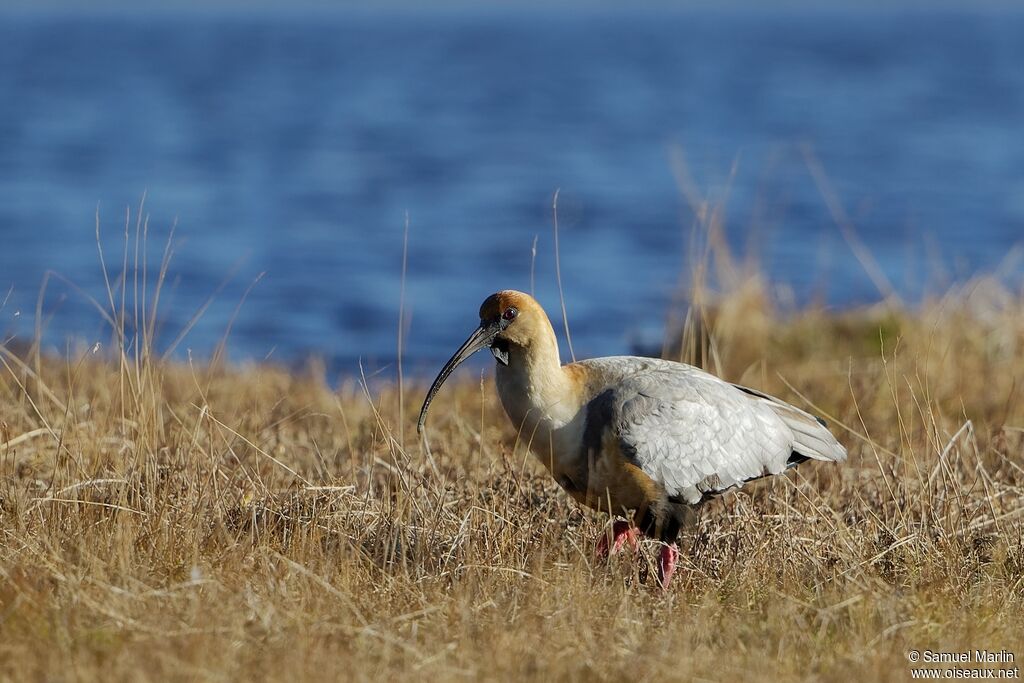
{"points": [[510, 314]]}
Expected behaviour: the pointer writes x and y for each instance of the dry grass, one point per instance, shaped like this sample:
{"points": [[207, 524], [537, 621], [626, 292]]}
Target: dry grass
{"points": [[162, 521]]}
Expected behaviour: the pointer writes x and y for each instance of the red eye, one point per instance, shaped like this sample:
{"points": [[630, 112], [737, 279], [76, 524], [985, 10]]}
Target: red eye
{"points": [[510, 314]]}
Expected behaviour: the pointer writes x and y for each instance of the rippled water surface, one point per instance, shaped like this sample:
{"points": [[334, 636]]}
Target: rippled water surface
{"points": [[296, 147]]}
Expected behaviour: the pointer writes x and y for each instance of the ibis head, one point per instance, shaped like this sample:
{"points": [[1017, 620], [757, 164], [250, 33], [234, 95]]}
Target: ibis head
{"points": [[509, 320]]}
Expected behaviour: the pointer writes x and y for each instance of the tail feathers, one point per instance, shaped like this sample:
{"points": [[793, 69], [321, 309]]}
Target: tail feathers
{"points": [[811, 439]]}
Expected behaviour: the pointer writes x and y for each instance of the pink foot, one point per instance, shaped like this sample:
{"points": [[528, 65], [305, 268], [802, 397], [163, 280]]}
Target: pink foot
{"points": [[622, 532], [667, 564]]}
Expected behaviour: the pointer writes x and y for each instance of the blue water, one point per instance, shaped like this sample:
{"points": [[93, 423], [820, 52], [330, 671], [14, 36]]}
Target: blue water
{"points": [[296, 147]]}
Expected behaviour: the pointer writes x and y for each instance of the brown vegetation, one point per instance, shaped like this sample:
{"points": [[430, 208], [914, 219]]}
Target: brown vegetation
{"points": [[162, 521]]}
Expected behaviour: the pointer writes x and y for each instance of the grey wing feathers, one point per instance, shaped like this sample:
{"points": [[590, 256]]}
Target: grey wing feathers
{"points": [[811, 438], [696, 434]]}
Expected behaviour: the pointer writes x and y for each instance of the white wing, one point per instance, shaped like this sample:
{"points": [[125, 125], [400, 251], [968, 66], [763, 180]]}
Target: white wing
{"points": [[696, 434]]}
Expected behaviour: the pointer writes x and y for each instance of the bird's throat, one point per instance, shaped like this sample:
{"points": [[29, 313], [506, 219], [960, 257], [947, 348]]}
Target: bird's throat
{"points": [[535, 388]]}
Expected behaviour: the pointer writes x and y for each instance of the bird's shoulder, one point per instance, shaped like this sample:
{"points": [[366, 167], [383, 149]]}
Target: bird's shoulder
{"points": [[657, 380]]}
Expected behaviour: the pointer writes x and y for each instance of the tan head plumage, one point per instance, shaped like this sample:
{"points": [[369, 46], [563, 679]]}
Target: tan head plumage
{"points": [[528, 323], [497, 303]]}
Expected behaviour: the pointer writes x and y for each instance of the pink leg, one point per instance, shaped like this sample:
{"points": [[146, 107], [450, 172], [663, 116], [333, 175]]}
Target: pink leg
{"points": [[622, 532], [667, 563]]}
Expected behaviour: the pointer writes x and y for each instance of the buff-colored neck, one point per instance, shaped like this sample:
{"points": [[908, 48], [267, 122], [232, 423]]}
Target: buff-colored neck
{"points": [[534, 384]]}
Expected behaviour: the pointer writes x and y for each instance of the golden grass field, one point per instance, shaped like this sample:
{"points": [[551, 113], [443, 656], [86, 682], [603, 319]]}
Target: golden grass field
{"points": [[170, 521]]}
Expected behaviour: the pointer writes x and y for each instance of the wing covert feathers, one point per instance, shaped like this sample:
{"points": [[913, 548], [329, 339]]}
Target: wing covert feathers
{"points": [[695, 434]]}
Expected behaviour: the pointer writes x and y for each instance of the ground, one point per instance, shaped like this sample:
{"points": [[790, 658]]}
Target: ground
{"points": [[170, 521]]}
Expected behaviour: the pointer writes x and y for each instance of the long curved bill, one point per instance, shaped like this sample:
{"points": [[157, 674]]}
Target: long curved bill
{"points": [[480, 339]]}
